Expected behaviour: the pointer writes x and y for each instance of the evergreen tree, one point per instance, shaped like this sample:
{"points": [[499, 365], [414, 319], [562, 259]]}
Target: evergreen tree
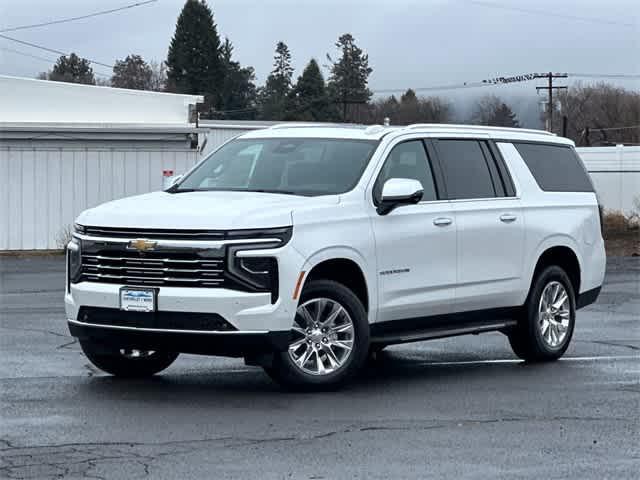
{"points": [[238, 93], [194, 65], [503, 116], [310, 100], [348, 83], [132, 72], [275, 100], [72, 69]]}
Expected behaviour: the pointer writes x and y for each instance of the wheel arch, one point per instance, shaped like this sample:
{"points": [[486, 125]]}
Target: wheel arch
{"points": [[346, 267], [563, 254]]}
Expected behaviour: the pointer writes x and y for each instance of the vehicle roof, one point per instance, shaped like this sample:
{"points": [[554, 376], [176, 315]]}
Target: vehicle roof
{"points": [[376, 132]]}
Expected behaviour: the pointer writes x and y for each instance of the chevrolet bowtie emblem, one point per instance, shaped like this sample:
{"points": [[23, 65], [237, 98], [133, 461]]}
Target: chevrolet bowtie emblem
{"points": [[142, 245]]}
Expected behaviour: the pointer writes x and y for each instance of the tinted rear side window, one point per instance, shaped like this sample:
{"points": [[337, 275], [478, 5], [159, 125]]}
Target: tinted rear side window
{"points": [[465, 169], [556, 168]]}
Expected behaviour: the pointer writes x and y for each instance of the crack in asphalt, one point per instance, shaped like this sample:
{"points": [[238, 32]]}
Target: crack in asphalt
{"points": [[59, 460], [612, 343], [21, 329]]}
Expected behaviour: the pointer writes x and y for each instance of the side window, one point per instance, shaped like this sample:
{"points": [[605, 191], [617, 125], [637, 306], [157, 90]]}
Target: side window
{"points": [[556, 168], [407, 160], [465, 169]]}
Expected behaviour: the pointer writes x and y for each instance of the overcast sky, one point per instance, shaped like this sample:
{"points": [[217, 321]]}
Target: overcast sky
{"points": [[411, 43]]}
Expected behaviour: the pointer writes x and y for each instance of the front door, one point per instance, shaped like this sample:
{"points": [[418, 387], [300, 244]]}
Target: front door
{"points": [[415, 244]]}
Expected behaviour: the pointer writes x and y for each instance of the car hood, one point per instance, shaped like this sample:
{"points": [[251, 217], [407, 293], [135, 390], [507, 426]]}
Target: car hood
{"points": [[201, 210]]}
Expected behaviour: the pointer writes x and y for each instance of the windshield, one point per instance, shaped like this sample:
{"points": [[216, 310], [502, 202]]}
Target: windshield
{"points": [[299, 166]]}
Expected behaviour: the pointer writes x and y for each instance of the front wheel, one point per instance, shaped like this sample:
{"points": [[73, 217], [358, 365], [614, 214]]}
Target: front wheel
{"points": [[130, 363], [330, 339], [546, 326]]}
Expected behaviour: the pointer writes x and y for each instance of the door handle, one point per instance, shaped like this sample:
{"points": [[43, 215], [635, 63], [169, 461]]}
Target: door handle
{"points": [[508, 218], [442, 221]]}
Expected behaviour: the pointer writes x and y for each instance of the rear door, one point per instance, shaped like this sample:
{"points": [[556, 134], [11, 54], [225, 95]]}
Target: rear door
{"points": [[415, 244], [490, 224]]}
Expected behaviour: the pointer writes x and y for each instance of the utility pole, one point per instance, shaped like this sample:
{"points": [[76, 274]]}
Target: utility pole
{"points": [[550, 88]]}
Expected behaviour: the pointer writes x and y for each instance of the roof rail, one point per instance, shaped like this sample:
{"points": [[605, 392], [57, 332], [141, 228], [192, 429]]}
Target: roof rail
{"points": [[315, 124], [477, 127]]}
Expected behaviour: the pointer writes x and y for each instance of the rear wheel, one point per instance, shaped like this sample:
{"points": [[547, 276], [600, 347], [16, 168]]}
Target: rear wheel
{"points": [[546, 327], [330, 339], [131, 363]]}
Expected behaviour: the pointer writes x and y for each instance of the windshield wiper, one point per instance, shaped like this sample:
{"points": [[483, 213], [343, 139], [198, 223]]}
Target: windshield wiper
{"points": [[181, 190], [267, 190]]}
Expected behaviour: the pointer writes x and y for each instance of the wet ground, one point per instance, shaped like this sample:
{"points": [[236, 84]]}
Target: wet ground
{"points": [[462, 407]]}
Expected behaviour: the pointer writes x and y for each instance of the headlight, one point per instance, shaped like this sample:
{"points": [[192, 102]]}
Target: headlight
{"points": [[258, 274], [77, 228], [74, 261]]}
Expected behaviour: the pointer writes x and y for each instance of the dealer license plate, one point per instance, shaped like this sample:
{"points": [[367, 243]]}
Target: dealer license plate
{"points": [[137, 299]]}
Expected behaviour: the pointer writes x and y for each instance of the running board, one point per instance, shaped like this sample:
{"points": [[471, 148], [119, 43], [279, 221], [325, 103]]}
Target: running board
{"points": [[440, 332]]}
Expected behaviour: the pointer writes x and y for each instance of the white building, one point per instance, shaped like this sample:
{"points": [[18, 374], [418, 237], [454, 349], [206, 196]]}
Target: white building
{"points": [[67, 147]]}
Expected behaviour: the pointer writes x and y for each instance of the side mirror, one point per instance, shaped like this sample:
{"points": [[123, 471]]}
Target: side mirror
{"points": [[399, 191]]}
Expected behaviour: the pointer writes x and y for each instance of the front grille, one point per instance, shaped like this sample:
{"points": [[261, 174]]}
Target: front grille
{"points": [[152, 269], [159, 320]]}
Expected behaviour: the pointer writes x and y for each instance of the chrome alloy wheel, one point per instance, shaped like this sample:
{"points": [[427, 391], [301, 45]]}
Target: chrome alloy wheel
{"points": [[324, 336], [554, 314]]}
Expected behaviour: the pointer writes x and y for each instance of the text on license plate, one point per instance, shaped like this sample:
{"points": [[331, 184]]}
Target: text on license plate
{"points": [[137, 299]]}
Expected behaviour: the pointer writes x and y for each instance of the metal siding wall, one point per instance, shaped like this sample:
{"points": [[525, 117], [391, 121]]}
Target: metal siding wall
{"points": [[216, 136], [43, 189]]}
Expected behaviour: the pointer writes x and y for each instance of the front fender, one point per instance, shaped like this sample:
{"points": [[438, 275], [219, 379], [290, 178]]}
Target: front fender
{"points": [[348, 253]]}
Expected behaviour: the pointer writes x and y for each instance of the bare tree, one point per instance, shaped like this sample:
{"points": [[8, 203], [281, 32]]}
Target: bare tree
{"points": [[600, 114], [491, 110], [158, 81]]}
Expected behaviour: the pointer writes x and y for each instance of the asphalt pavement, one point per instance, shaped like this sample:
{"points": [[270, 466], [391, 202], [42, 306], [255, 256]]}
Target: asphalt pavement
{"points": [[456, 408]]}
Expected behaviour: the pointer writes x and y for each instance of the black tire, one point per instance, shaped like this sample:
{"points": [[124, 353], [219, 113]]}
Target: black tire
{"points": [[120, 365], [526, 339], [287, 373]]}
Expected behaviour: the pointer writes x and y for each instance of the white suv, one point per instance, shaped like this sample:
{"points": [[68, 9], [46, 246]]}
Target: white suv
{"points": [[302, 248]]}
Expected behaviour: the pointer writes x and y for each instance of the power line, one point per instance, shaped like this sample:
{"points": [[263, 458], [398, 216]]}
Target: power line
{"points": [[73, 19], [49, 60], [605, 75], [24, 54], [546, 13], [52, 50], [504, 81]]}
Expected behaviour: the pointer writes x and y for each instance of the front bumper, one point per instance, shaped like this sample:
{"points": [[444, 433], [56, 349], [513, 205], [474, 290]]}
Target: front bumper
{"points": [[231, 344]]}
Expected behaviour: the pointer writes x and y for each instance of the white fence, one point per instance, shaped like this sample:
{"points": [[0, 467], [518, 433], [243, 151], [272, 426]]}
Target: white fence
{"points": [[616, 175], [42, 190]]}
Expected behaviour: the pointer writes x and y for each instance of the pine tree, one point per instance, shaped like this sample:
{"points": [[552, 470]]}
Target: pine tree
{"points": [[310, 100], [274, 96], [348, 83], [238, 92], [132, 72], [503, 116], [72, 69], [194, 65]]}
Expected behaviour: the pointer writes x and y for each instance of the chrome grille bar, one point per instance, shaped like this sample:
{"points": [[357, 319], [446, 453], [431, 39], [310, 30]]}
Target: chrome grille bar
{"points": [[134, 269]]}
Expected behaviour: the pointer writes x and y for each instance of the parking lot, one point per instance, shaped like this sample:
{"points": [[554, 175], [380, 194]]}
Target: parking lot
{"points": [[461, 407]]}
